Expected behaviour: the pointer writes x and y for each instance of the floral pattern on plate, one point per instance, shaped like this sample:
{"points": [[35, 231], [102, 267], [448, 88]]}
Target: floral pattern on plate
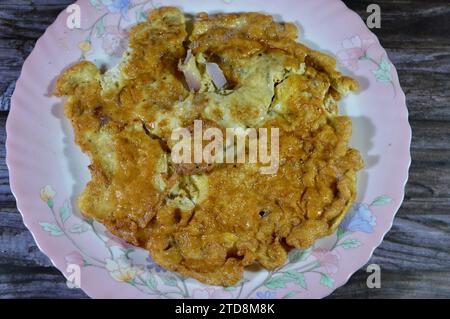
{"points": [[151, 279]]}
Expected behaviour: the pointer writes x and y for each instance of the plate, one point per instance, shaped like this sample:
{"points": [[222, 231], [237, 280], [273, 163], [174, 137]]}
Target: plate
{"points": [[48, 171]]}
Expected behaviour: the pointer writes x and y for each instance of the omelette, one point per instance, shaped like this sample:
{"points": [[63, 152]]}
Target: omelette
{"points": [[241, 70]]}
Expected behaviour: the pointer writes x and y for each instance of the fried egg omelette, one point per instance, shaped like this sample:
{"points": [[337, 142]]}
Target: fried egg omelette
{"points": [[211, 221]]}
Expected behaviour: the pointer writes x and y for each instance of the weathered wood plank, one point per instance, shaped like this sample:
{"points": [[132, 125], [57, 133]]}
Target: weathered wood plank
{"points": [[398, 284], [427, 190], [17, 246], [415, 242], [29, 19], [35, 282], [415, 255], [415, 39], [5, 191]]}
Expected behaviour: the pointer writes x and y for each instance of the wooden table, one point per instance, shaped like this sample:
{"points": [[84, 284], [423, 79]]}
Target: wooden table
{"points": [[415, 254]]}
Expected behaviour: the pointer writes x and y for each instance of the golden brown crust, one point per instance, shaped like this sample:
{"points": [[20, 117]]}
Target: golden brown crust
{"points": [[210, 221]]}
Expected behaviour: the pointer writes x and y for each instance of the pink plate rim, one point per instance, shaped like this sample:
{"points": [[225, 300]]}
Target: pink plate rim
{"points": [[94, 289]]}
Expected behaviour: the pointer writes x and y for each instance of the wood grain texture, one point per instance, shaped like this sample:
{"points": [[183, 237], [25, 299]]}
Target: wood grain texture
{"points": [[415, 254]]}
